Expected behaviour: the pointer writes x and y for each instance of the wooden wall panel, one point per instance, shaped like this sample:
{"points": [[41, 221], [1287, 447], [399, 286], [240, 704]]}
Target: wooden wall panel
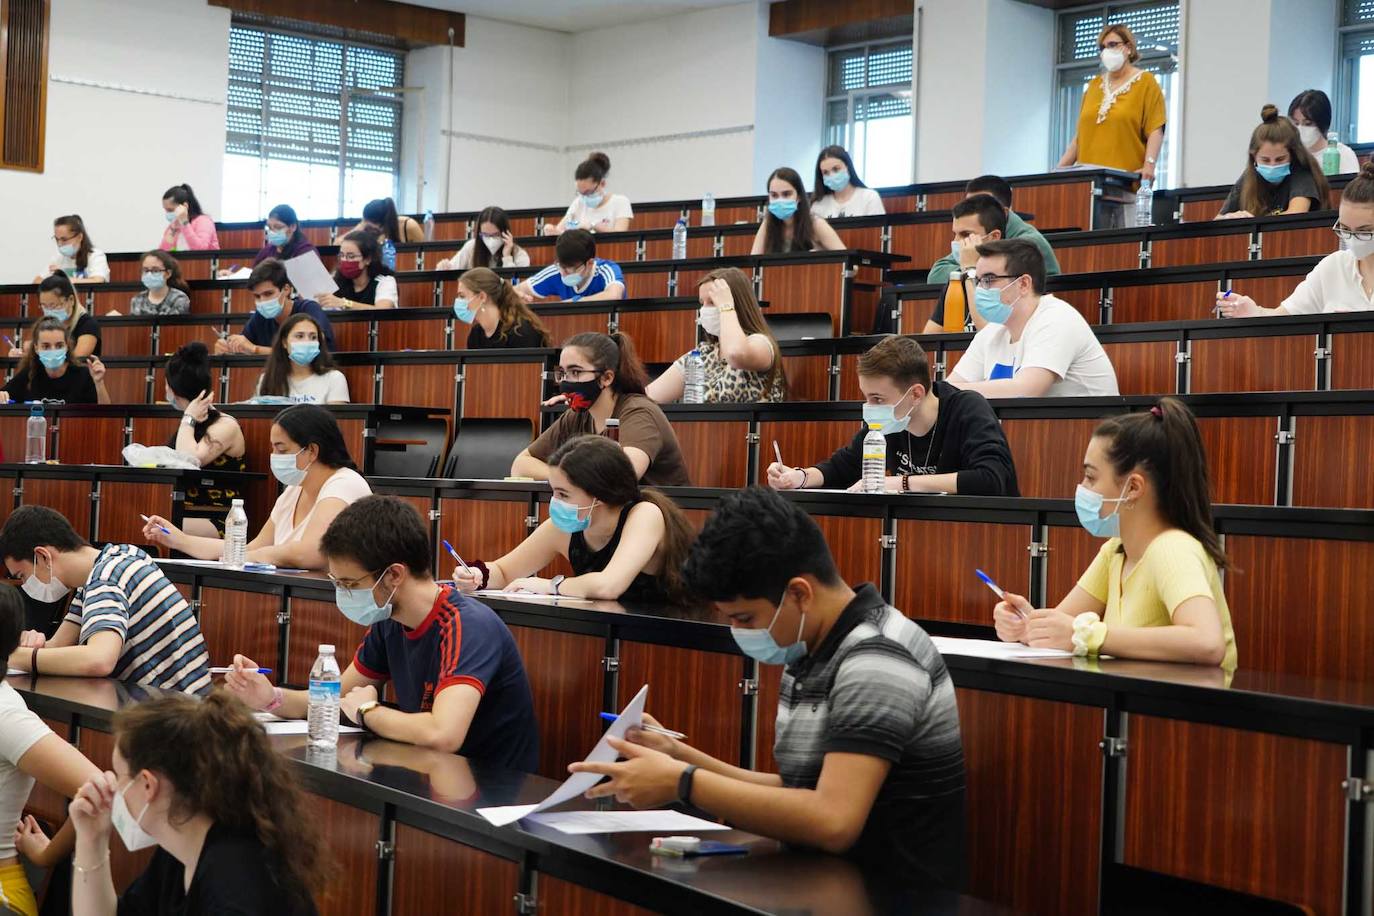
{"points": [[237, 622], [414, 335], [1048, 454], [432, 872], [1086, 259], [1241, 458], [808, 378], [1163, 302], [566, 677], [407, 22], [70, 497], [496, 390], [935, 564], [566, 899], [1061, 205], [314, 623], [350, 834], [689, 691], [924, 243], [1145, 368], [1297, 243], [121, 504], [1203, 249], [417, 384], [1276, 832], [661, 337], [803, 443], [124, 865], [804, 287], [716, 453], [1253, 364], [1341, 483], [481, 529], [1352, 361]]}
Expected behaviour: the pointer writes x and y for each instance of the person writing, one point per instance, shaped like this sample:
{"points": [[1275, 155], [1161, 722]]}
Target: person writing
{"points": [[1154, 592], [49, 371], [1280, 174], [578, 275], [838, 190], [365, 282], [189, 228], [870, 759], [454, 668], [205, 435], [272, 295], [601, 378], [300, 368], [623, 542], [500, 318], [593, 209], [940, 439], [494, 245], [738, 352], [309, 459], [125, 621], [789, 224], [77, 257]]}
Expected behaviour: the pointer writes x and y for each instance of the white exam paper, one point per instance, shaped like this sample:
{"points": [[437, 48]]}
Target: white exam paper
{"points": [[308, 276], [9, 671], [993, 648], [275, 725], [180, 561], [529, 596], [663, 822], [577, 783]]}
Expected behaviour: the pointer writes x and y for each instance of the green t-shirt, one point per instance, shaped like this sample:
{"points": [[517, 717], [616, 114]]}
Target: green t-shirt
{"points": [[1017, 228]]}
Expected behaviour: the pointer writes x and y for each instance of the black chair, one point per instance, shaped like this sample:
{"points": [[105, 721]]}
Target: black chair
{"points": [[407, 448], [800, 326], [484, 449]]}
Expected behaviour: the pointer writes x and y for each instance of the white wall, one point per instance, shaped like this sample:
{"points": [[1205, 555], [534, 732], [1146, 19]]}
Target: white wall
{"points": [[951, 83], [1222, 103], [111, 152], [1019, 83], [1304, 45], [789, 101]]}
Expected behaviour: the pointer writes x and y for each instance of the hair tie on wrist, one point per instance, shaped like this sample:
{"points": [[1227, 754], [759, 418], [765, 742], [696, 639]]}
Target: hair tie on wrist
{"points": [[1159, 414]]}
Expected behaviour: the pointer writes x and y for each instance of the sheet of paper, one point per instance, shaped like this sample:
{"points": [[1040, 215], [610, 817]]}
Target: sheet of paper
{"points": [[275, 725], [668, 823], [577, 783], [9, 670], [243, 273], [308, 276], [527, 596], [180, 561], [993, 648]]}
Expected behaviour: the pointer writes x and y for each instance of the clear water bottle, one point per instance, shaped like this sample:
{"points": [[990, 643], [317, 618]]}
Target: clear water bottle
{"points": [[323, 725], [680, 240], [236, 536], [875, 459], [1144, 205], [708, 209], [389, 254], [429, 225], [1331, 156], [36, 437], [694, 379]]}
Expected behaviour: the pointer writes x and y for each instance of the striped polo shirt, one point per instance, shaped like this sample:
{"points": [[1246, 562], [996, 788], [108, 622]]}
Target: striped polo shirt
{"points": [[127, 594], [877, 686]]}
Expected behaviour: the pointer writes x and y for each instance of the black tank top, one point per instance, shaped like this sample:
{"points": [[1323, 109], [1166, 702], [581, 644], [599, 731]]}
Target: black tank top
{"points": [[645, 589]]}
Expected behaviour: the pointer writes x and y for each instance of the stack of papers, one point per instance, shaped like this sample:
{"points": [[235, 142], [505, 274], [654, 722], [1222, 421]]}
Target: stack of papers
{"points": [[665, 822], [993, 648]]}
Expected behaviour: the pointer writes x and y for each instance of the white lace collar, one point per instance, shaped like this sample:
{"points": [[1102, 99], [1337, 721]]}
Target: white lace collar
{"points": [[1110, 95]]}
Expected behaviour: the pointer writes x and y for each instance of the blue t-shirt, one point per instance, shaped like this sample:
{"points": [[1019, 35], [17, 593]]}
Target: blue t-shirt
{"points": [[549, 281], [462, 641], [262, 331]]}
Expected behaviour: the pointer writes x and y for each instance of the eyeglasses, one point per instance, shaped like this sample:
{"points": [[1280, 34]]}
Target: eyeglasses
{"points": [[61, 240], [1114, 45], [1346, 235], [350, 257], [577, 375], [354, 584], [986, 280]]}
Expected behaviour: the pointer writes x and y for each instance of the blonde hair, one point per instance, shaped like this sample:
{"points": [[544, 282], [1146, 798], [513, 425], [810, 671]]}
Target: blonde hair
{"points": [[513, 309], [1122, 31]]}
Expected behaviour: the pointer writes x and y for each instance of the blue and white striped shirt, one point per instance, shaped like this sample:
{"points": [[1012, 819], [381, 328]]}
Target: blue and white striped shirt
{"points": [[549, 281]]}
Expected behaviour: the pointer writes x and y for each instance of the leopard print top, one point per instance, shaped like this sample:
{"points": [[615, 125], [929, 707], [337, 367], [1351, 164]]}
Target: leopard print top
{"points": [[725, 385]]}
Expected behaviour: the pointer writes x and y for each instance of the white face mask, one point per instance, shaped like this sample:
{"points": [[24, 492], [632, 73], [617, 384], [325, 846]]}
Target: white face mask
{"points": [[1310, 135], [1359, 249], [44, 592], [1113, 59], [493, 243], [708, 316], [130, 828]]}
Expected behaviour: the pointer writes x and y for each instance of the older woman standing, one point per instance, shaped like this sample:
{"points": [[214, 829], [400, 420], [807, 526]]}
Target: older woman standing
{"points": [[1121, 123]]}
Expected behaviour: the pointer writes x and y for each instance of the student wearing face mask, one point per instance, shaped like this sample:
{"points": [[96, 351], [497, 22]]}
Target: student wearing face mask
{"points": [[275, 301], [494, 246], [454, 669], [624, 542], [594, 209], [202, 784], [1280, 174], [283, 236], [188, 227], [500, 319], [868, 748], [837, 190], [939, 439], [578, 275], [978, 218], [300, 368], [1343, 281], [164, 290], [1017, 228], [1310, 112], [58, 300], [125, 620], [738, 351], [601, 378], [205, 435], [48, 370], [790, 225], [365, 282], [77, 256], [1034, 345], [1154, 592], [310, 460]]}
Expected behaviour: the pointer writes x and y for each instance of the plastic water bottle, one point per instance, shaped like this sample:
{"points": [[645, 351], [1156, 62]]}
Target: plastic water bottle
{"points": [[1331, 156], [1144, 205], [680, 240], [429, 225], [875, 459], [694, 379], [389, 254], [324, 700], [236, 536], [708, 209], [36, 437]]}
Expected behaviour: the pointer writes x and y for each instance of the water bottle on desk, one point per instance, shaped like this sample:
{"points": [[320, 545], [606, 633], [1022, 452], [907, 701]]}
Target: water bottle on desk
{"points": [[708, 209], [1144, 205], [389, 254], [1331, 156], [694, 379], [680, 239], [875, 459], [36, 437], [323, 716], [429, 225], [236, 536]]}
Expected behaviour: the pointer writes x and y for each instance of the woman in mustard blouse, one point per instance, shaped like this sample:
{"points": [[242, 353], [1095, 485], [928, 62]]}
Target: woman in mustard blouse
{"points": [[1154, 590]]}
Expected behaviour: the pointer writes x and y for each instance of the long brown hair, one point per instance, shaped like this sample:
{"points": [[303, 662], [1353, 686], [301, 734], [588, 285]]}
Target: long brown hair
{"points": [[600, 467], [83, 251], [1164, 443], [29, 361], [276, 373], [1256, 194], [774, 233], [481, 256], [615, 352], [514, 310], [60, 283], [220, 764], [751, 319], [174, 278]]}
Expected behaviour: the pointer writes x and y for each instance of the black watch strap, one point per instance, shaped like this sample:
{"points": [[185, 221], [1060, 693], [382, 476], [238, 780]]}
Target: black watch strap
{"points": [[684, 784]]}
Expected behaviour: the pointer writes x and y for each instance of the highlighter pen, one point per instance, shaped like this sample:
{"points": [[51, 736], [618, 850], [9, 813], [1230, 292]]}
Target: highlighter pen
{"points": [[453, 553], [148, 521], [227, 670], [611, 717], [997, 589]]}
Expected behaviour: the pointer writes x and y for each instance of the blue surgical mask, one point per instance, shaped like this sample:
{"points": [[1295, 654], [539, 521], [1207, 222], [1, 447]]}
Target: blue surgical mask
{"points": [[360, 605], [52, 359], [566, 517], [462, 311], [170, 214], [760, 645], [955, 248], [885, 416], [593, 199], [837, 181], [573, 280], [67, 251], [269, 309], [277, 237], [303, 352], [990, 305], [285, 470], [1274, 174], [57, 314], [782, 209], [1088, 504], [154, 280]]}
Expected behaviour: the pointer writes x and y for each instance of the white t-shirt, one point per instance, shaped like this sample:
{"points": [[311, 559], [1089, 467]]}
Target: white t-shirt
{"points": [[1055, 338], [386, 291], [345, 483], [865, 202], [601, 219], [329, 388], [1349, 161], [463, 260], [96, 266], [20, 730], [1332, 286]]}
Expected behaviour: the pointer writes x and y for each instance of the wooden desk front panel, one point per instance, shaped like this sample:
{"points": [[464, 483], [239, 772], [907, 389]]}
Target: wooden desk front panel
{"points": [[1087, 259], [915, 314], [240, 238], [1163, 302], [924, 243], [1352, 361], [129, 384], [234, 621], [1266, 291], [808, 378], [661, 337], [72, 498], [105, 299], [1330, 462], [647, 285], [1147, 367], [314, 623], [350, 834], [561, 327], [90, 440], [566, 677], [352, 336], [243, 382], [433, 874], [1253, 364], [1316, 241], [416, 294], [803, 442], [431, 334], [1201, 249], [1201, 211], [736, 244], [698, 246], [698, 691], [413, 384], [567, 899], [125, 866], [1072, 551], [121, 503], [172, 337], [716, 453], [210, 302], [935, 564], [621, 252], [1048, 454], [12, 305], [1061, 205], [503, 390], [481, 529], [126, 339], [1241, 458], [1088, 302], [805, 287]]}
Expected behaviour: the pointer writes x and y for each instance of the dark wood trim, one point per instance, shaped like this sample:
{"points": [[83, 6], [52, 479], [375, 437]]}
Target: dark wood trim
{"points": [[792, 18], [413, 25]]}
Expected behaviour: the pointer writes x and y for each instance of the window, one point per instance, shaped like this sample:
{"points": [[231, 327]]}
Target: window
{"points": [[309, 124], [1354, 114], [1155, 26], [868, 110]]}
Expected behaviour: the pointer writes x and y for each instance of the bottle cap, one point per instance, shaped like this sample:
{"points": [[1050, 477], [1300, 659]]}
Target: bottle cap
{"points": [[326, 649], [877, 426]]}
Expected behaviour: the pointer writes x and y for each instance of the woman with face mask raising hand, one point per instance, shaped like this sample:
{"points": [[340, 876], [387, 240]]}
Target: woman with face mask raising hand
{"points": [[623, 541], [49, 371], [1154, 591], [310, 460], [1280, 174]]}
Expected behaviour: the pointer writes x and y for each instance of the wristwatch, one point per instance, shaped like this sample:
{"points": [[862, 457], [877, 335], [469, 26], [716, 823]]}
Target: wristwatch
{"points": [[363, 710], [188, 420], [1150, 160]]}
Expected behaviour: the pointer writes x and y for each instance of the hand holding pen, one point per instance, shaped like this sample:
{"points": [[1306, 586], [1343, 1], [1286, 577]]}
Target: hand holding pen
{"points": [[1011, 613]]}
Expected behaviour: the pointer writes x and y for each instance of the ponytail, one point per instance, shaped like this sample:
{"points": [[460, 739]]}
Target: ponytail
{"points": [[1360, 190], [514, 310], [678, 536], [1164, 443], [615, 352]]}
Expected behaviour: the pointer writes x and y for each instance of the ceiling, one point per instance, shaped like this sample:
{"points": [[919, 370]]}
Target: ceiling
{"points": [[572, 15]]}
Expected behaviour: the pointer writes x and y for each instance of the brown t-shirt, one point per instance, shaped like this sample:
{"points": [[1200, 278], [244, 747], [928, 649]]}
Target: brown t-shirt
{"points": [[642, 426]]}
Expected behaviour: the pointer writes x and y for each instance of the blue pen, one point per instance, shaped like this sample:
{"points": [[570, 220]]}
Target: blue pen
{"points": [[1225, 295], [611, 717], [997, 589], [227, 670], [453, 553], [148, 521]]}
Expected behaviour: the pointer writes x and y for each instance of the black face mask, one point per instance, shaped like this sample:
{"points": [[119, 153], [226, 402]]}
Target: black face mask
{"points": [[580, 395]]}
